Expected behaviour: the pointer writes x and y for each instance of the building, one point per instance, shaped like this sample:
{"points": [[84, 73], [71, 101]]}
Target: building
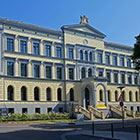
{"points": [[43, 69]]}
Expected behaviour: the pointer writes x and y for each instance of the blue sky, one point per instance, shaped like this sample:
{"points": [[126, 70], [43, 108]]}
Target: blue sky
{"points": [[118, 19]]}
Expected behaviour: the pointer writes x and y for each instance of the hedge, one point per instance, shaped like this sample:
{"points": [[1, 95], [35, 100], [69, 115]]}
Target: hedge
{"points": [[29, 117]]}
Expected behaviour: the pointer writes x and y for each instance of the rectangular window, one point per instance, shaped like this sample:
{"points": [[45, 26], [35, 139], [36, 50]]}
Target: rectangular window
{"points": [[10, 68], [115, 60], [59, 73], [115, 77], [36, 48], [23, 46], [129, 62], [36, 70], [122, 61], [10, 44], [100, 73], [58, 52], [136, 79], [49, 109], [48, 72], [70, 52], [11, 110], [99, 57], [24, 110], [123, 78], [108, 76], [60, 109], [71, 73], [48, 50], [23, 69], [107, 59], [129, 79], [37, 110]]}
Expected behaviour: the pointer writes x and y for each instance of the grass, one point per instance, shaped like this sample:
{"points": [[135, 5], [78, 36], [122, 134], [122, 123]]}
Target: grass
{"points": [[39, 121]]}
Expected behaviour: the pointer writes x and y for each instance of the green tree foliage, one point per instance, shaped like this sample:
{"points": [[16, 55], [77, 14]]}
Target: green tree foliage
{"points": [[136, 53]]}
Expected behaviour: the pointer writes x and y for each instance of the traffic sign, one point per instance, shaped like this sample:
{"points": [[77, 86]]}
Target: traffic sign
{"points": [[121, 104]]}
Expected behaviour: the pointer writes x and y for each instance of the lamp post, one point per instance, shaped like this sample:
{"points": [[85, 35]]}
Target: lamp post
{"points": [[121, 104]]}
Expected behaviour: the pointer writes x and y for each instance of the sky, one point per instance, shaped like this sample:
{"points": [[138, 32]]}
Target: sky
{"points": [[119, 20]]}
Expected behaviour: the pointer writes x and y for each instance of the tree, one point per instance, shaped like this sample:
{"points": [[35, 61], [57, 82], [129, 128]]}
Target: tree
{"points": [[136, 53]]}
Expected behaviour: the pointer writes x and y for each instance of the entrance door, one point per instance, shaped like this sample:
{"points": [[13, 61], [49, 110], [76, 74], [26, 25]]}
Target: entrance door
{"points": [[87, 100]]}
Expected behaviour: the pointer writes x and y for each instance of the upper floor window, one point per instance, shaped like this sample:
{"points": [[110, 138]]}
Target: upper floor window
{"points": [[90, 56], [107, 58], [83, 73], [71, 73], [10, 44], [115, 77], [23, 46], [86, 55], [48, 72], [129, 78], [36, 48], [100, 55], [89, 72], [58, 52], [136, 79], [81, 55], [108, 76], [10, 68], [59, 72], [122, 61], [129, 62], [123, 78], [48, 50], [115, 60], [100, 95], [70, 53], [23, 69], [36, 70], [100, 73]]}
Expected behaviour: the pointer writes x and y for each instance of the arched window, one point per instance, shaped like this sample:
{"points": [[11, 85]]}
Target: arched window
{"points": [[130, 96], [109, 96], [101, 95], [59, 95], [71, 95], [23, 94], [10, 95], [137, 96], [86, 55], [89, 72], [116, 95], [48, 94], [36, 94], [81, 55], [83, 73], [90, 56]]}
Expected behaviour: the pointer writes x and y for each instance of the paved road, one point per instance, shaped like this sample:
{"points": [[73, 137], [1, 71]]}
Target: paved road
{"points": [[59, 131]]}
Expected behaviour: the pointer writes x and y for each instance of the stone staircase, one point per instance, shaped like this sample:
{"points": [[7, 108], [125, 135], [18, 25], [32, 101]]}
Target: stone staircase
{"points": [[117, 110], [91, 113]]}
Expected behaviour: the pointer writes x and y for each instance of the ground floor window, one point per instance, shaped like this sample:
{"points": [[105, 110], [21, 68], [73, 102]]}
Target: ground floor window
{"points": [[37, 110], [60, 109], [49, 109], [24, 110], [131, 108], [11, 110]]}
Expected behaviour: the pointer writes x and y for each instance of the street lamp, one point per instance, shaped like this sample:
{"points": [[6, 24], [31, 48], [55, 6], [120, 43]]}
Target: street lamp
{"points": [[121, 104]]}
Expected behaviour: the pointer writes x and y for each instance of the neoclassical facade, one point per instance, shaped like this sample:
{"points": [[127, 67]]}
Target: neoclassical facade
{"points": [[44, 70]]}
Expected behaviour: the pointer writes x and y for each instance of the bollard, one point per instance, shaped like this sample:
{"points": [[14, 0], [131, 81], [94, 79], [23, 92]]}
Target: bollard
{"points": [[137, 133], [112, 133], [93, 128]]}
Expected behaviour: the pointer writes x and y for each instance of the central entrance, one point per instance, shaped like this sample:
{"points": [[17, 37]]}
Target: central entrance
{"points": [[87, 97]]}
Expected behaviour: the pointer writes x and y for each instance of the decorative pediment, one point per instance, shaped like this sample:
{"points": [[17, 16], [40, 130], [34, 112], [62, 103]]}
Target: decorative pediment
{"points": [[85, 29]]}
